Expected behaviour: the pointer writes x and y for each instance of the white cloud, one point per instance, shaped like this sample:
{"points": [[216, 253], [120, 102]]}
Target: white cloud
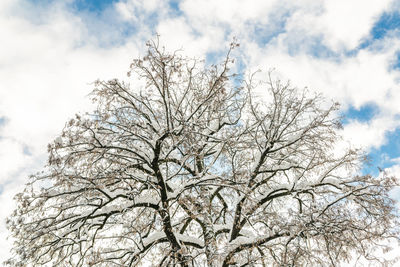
{"points": [[343, 24], [394, 171], [47, 73], [176, 34], [228, 12], [138, 11], [359, 79], [371, 134]]}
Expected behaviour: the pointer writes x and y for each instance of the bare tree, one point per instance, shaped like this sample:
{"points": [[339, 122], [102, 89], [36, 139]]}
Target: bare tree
{"points": [[193, 170]]}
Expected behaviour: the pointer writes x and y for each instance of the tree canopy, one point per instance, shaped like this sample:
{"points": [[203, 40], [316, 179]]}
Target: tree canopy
{"points": [[189, 167]]}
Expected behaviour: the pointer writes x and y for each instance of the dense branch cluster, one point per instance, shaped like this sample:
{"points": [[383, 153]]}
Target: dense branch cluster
{"points": [[192, 169]]}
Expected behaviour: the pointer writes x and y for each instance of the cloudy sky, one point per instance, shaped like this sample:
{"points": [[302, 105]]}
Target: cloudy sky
{"points": [[52, 50]]}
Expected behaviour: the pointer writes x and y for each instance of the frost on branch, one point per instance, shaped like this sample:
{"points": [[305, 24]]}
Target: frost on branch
{"points": [[194, 170]]}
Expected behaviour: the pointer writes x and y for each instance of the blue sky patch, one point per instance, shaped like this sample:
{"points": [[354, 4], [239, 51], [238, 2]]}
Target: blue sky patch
{"points": [[363, 114], [396, 62], [104, 23], [264, 33], [95, 6], [383, 156], [386, 23], [174, 5], [92, 5], [317, 50]]}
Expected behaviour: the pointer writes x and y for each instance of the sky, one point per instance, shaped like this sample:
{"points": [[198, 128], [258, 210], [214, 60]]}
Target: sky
{"points": [[51, 52]]}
